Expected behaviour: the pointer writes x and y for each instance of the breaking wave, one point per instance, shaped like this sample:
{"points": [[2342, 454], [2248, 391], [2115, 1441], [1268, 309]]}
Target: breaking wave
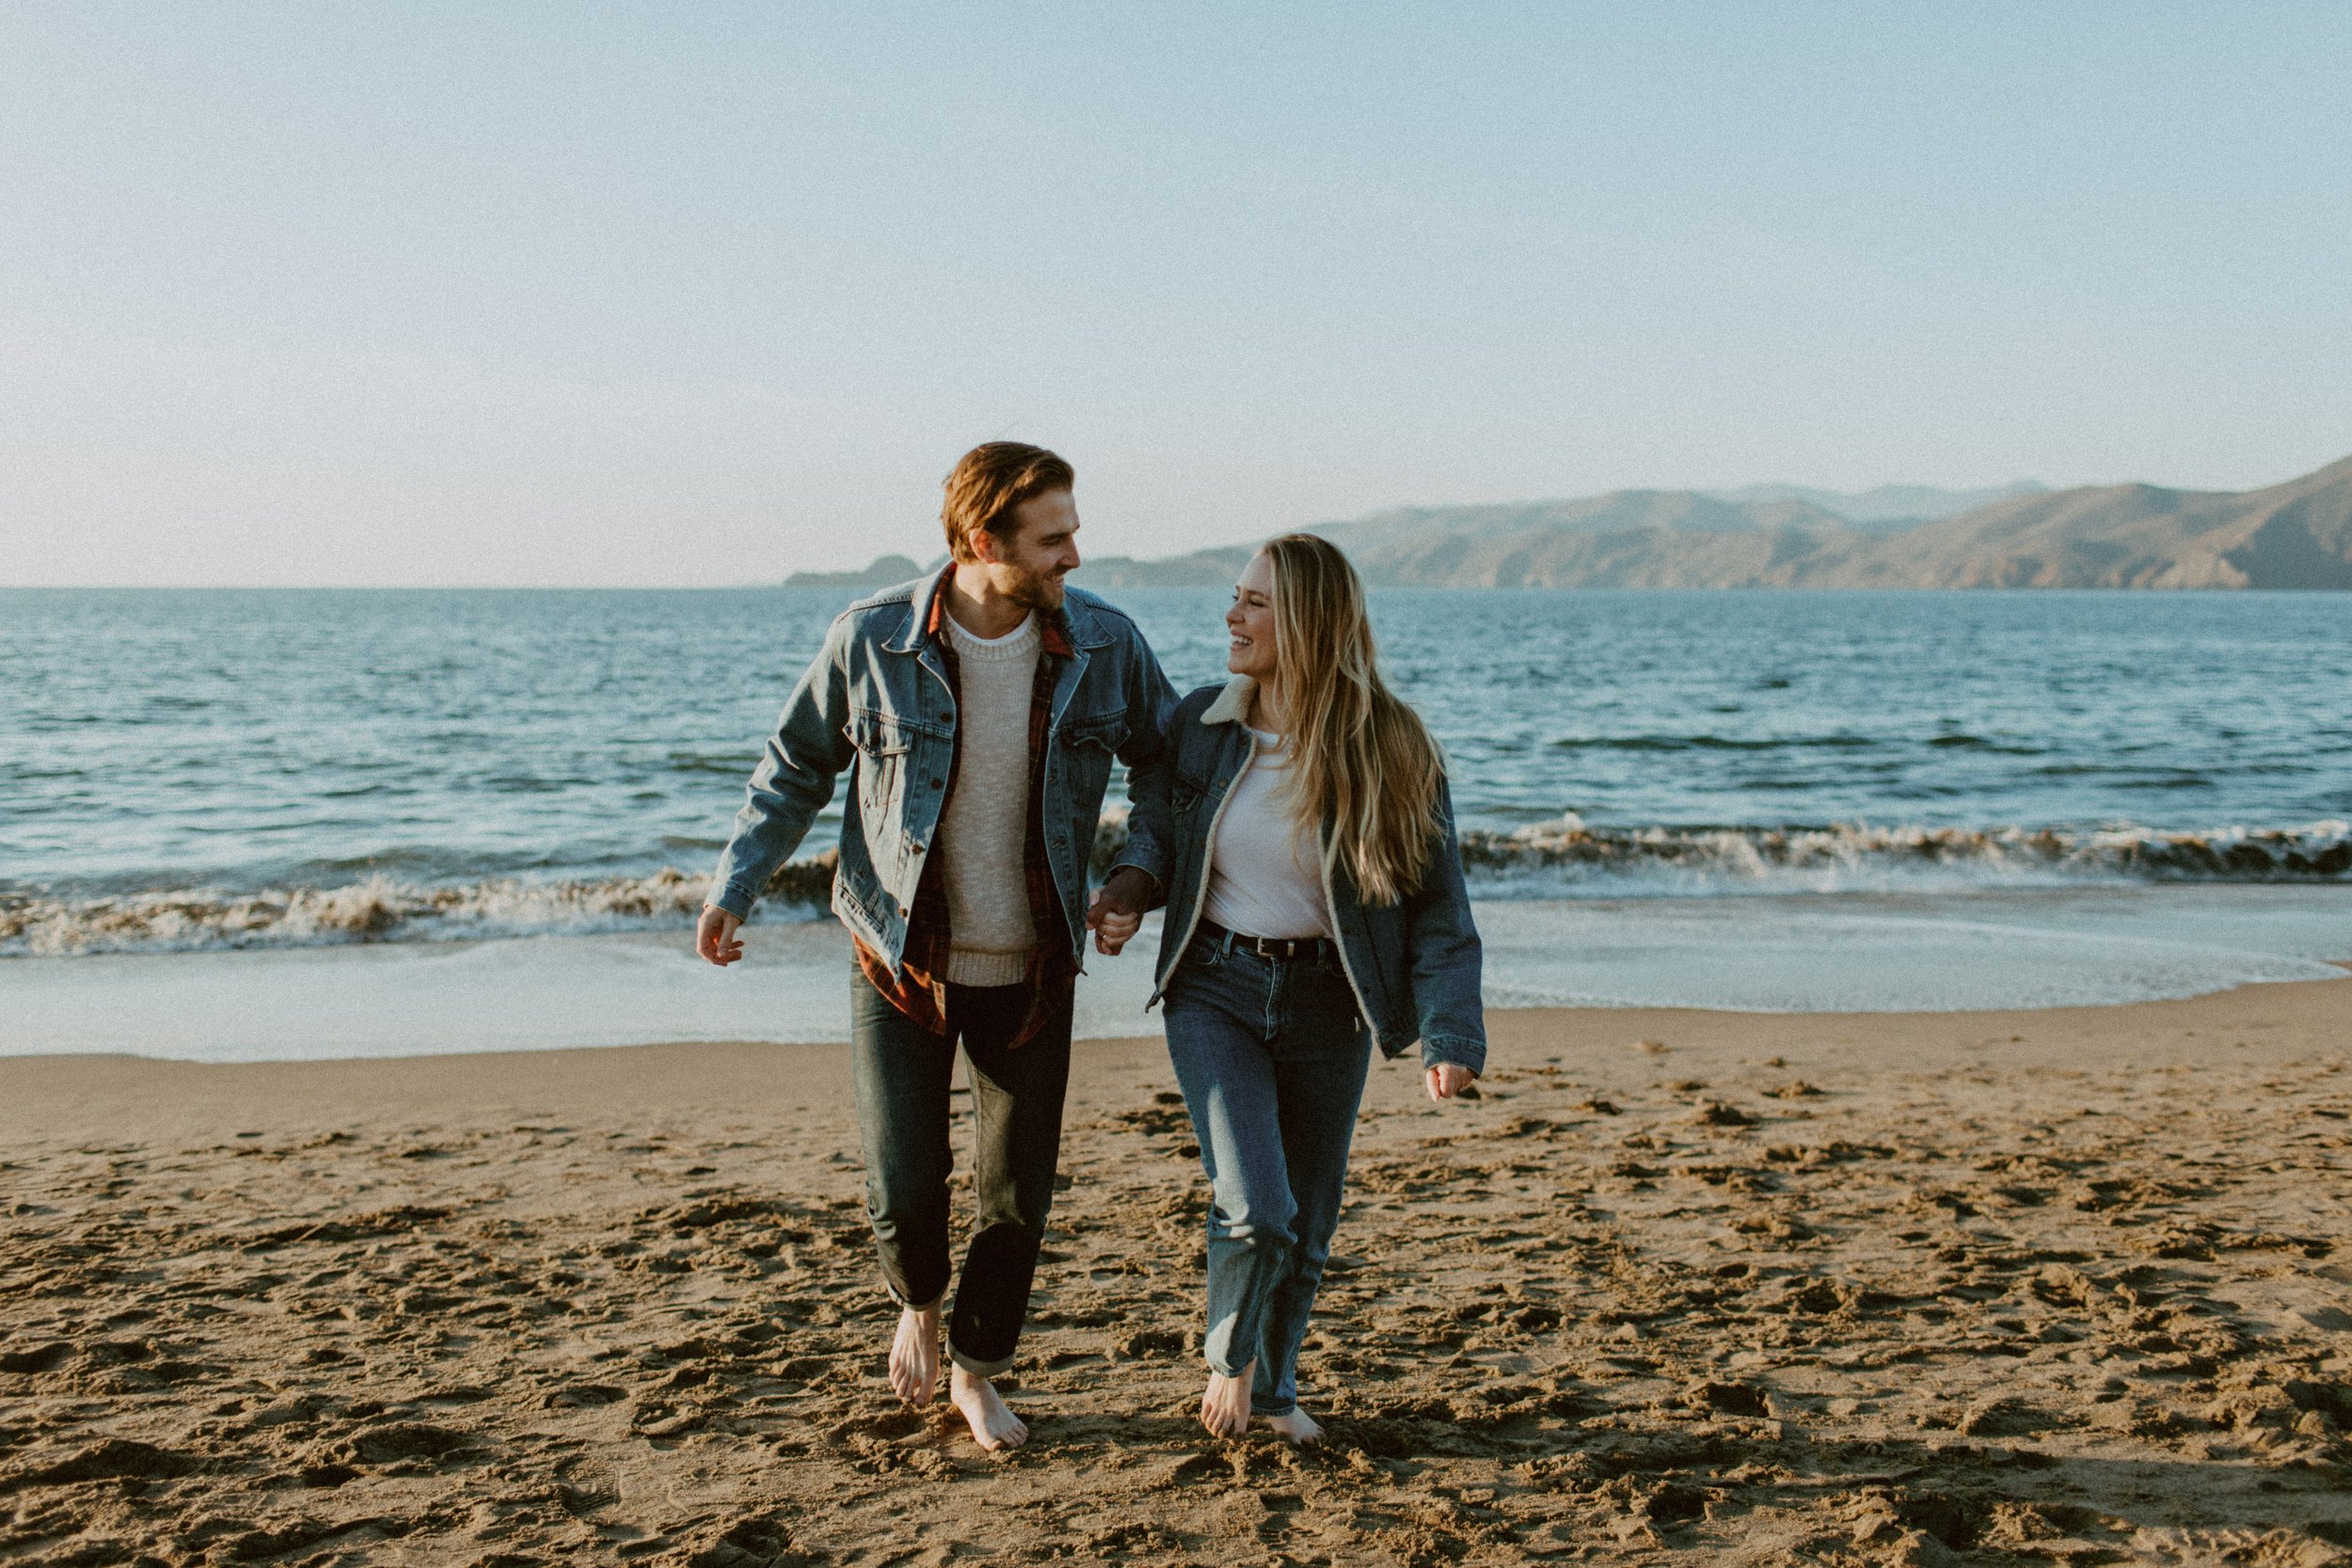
{"points": [[1568, 858], [378, 909], [1563, 858]]}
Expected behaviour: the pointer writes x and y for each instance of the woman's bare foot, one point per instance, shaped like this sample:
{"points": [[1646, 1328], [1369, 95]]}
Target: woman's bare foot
{"points": [[1297, 1427], [994, 1427], [914, 1355], [1225, 1405]]}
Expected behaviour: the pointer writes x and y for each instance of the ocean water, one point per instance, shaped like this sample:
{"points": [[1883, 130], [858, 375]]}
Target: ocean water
{"points": [[210, 775]]}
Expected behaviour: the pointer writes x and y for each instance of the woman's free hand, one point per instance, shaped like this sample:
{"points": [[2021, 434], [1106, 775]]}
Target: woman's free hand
{"points": [[715, 938], [1447, 1079]]}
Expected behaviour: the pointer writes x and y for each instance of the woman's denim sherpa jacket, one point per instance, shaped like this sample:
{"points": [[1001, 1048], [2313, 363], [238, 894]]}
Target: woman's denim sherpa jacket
{"points": [[878, 697], [1414, 965]]}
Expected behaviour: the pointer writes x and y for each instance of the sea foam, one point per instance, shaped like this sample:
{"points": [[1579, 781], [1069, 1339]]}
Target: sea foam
{"points": [[1569, 859], [379, 909]]}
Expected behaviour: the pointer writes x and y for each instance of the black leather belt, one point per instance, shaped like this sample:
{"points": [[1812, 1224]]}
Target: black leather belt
{"points": [[1269, 947]]}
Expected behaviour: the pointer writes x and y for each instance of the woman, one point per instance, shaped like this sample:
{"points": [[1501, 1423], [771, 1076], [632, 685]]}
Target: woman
{"points": [[1314, 906]]}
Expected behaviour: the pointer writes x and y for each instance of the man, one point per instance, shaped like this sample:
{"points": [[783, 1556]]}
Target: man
{"points": [[980, 710]]}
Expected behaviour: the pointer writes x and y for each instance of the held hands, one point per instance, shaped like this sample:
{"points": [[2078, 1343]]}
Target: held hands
{"points": [[1115, 916], [1117, 912], [715, 938], [1447, 1079]]}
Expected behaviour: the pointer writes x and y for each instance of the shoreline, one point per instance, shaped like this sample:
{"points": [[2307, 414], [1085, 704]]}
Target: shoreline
{"points": [[1843, 953], [2063, 1284], [598, 1070]]}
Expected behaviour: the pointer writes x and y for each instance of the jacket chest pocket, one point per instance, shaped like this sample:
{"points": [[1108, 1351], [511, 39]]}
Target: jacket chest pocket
{"points": [[884, 748], [1088, 746], [1184, 795]]}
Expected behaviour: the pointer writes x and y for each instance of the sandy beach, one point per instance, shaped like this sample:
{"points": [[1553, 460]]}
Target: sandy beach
{"points": [[2053, 1285]]}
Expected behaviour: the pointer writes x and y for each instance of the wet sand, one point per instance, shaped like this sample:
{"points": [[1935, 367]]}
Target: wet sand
{"points": [[2069, 1286]]}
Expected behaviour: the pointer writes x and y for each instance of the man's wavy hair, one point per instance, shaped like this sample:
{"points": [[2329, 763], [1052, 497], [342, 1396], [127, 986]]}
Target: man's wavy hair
{"points": [[988, 483]]}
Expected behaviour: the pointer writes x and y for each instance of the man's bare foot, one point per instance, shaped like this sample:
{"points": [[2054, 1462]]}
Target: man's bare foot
{"points": [[1297, 1427], [1225, 1405], [914, 1355], [994, 1427]]}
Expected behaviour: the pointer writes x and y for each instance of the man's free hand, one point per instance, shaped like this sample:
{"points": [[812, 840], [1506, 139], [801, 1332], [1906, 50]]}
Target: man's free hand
{"points": [[1447, 1079], [715, 938], [1117, 912]]}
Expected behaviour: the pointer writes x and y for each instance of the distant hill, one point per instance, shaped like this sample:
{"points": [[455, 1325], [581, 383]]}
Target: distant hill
{"points": [[1888, 509], [2293, 535], [887, 571], [1627, 538], [1215, 568], [1509, 546]]}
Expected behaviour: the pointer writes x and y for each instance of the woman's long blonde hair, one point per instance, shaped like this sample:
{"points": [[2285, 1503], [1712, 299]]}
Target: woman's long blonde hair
{"points": [[1361, 759]]}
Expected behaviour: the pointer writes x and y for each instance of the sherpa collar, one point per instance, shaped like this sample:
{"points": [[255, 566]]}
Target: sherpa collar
{"points": [[1233, 704]]}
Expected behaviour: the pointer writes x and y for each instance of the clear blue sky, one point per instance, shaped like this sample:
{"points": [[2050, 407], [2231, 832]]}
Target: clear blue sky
{"points": [[662, 293]]}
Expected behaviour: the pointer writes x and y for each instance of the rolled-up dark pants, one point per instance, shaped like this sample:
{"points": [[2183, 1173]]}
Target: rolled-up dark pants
{"points": [[902, 1105]]}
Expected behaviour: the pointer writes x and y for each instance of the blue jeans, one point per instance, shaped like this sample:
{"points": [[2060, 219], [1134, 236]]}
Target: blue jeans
{"points": [[903, 1109], [1271, 1055]]}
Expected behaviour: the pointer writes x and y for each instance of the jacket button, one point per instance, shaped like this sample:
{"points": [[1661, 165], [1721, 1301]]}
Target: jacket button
{"points": [[939, 784]]}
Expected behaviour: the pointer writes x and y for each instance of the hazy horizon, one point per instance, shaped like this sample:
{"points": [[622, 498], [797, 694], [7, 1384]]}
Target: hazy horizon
{"points": [[443, 297]]}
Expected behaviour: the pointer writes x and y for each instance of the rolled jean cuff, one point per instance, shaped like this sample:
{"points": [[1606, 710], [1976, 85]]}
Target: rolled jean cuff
{"points": [[936, 1304], [978, 1369], [1271, 1407]]}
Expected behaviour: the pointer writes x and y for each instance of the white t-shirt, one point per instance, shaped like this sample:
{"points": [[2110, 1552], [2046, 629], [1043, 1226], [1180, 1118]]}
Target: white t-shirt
{"points": [[1264, 880]]}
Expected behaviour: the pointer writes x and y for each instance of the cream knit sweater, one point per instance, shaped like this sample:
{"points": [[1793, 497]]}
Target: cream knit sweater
{"points": [[991, 933]]}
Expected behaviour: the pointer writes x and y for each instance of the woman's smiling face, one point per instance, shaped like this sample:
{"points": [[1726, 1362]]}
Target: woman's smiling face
{"points": [[1249, 624]]}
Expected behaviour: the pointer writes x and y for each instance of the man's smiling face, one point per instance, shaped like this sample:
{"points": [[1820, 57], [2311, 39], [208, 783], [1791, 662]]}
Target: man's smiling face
{"points": [[1027, 563]]}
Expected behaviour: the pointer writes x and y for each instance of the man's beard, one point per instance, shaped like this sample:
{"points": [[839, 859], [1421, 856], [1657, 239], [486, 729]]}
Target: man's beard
{"points": [[1036, 590]]}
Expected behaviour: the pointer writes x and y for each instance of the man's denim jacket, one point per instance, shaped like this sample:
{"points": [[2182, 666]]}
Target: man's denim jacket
{"points": [[878, 697], [1414, 965]]}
